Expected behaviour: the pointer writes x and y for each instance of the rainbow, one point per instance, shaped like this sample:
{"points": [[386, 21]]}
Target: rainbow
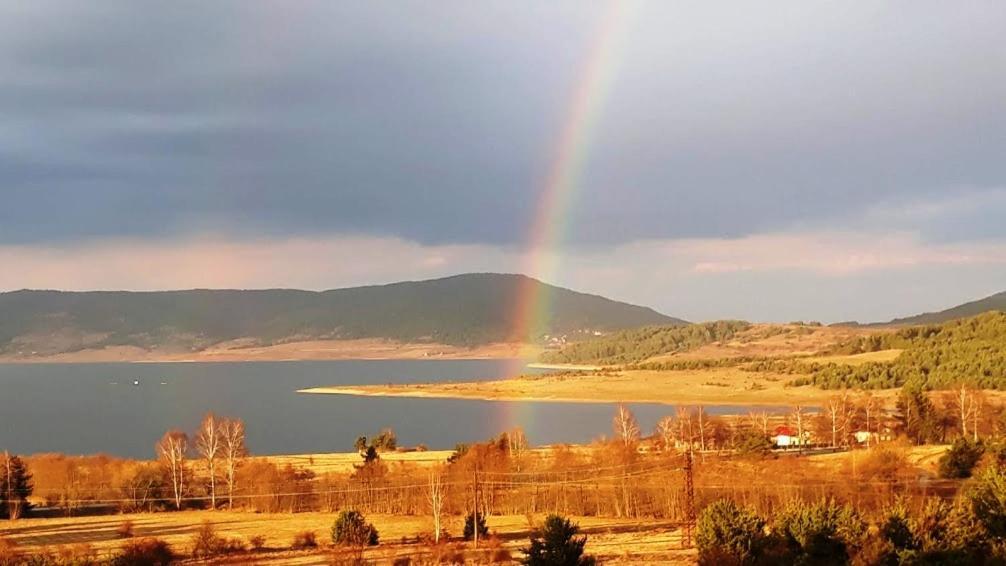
{"points": [[542, 257], [543, 253]]}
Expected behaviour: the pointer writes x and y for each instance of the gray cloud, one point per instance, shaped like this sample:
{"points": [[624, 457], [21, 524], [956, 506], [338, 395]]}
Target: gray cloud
{"points": [[437, 122]]}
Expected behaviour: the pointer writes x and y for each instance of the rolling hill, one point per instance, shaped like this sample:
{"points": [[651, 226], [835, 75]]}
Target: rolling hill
{"points": [[463, 310], [995, 302]]}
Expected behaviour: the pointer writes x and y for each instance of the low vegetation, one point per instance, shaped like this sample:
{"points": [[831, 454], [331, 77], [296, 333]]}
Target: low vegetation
{"points": [[935, 531], [933, 357], [636, 345]]}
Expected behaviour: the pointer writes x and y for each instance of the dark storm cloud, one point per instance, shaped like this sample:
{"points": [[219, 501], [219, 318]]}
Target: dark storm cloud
{"points": [[437, 122]]}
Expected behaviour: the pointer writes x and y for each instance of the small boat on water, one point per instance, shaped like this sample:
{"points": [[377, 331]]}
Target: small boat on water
{"points": [[136, 382]]}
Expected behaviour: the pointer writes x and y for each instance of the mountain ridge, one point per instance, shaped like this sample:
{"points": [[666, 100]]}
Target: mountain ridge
{"points": [[994, 302], [463, 310]]}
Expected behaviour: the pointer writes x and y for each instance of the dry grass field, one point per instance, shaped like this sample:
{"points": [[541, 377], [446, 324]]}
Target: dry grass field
{"points": [[614, 540]]}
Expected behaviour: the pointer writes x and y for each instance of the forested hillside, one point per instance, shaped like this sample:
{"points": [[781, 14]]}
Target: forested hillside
{"points": [[630, 346], [969, 350], [464, 310], [995, 302]]}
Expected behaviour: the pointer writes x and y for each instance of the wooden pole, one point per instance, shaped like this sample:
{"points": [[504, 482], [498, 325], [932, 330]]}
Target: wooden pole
{"points": [[10, 487], [475, 507]]}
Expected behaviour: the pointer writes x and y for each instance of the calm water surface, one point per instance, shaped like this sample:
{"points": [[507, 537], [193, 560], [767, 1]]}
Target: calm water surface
{"points": [[90, 408]]}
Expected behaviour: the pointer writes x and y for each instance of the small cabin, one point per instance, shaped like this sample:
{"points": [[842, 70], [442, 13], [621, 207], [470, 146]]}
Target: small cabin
{"points": [[786, 437]]}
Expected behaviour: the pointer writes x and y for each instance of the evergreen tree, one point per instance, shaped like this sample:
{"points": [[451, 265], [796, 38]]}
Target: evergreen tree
{"points": [[15, 487], [917, 417], [556, 544]]}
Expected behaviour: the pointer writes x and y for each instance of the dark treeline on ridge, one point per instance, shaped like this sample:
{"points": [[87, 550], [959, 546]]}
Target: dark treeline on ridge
{"points": [[464, 310]]}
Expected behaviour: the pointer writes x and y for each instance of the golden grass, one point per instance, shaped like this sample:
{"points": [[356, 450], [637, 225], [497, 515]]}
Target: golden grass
{"points": [[344, 462], [615, 540], [858, 359]]}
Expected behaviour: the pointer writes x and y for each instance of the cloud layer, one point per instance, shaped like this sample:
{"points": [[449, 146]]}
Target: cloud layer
{"points": [[744, 157], [437, 123]]}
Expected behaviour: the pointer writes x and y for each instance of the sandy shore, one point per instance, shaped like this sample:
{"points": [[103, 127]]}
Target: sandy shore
{"points": [[726, 386], [318, 350]]}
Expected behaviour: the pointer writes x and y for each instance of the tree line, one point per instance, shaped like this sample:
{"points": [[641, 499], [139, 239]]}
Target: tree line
{"points": [[638, 344], [933, 357]]}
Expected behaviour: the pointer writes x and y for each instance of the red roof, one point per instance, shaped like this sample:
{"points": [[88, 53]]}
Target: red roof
{"points": [[784, 431]]}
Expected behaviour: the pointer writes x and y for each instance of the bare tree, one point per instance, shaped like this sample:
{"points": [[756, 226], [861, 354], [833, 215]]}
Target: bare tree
{"points": [[686, 433], [964, 402], [700, 417], [979, 404], [172, 451], [665, 432], [208, 445], [837, 411], [869, 405], [517, 445], [798, 417], [436, 495], [760, 420], [232, 442], [626, 427]]}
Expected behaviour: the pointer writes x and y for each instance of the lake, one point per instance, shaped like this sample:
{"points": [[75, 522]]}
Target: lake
{"points": [[92, 408]]}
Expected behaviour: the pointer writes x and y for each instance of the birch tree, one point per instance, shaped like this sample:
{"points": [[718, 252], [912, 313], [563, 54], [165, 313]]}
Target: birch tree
{"points": [[232, 442], [700, 418], [869, 406], [760, 420], [209, 447], [665, 432], [686, 432], [436, 496], [172, 451], [799, 416], [626, 427], [964, 402]]}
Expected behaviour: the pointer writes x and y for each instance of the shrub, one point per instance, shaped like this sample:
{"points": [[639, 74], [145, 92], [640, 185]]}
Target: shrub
{"points": [[727, 534], [144, 552], [556, 544], [304, 539], [961, 459], [471, 521], [897, 527], [125, 529], [352, 529], [820, 533], [206, 543], [987, 500], [883, 463], [257, 542]]}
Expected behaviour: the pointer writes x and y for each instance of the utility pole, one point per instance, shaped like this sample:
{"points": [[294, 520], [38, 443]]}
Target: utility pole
{"points": [[475, 507], [686, 539], [10, 487]]}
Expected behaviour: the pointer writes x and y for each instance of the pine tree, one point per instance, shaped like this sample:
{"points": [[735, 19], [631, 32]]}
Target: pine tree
{"points": [[15, 487], [556, 544]]}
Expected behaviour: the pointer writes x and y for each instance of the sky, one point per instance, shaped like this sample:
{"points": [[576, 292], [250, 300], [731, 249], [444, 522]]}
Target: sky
{"points": [[797, 160]]}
